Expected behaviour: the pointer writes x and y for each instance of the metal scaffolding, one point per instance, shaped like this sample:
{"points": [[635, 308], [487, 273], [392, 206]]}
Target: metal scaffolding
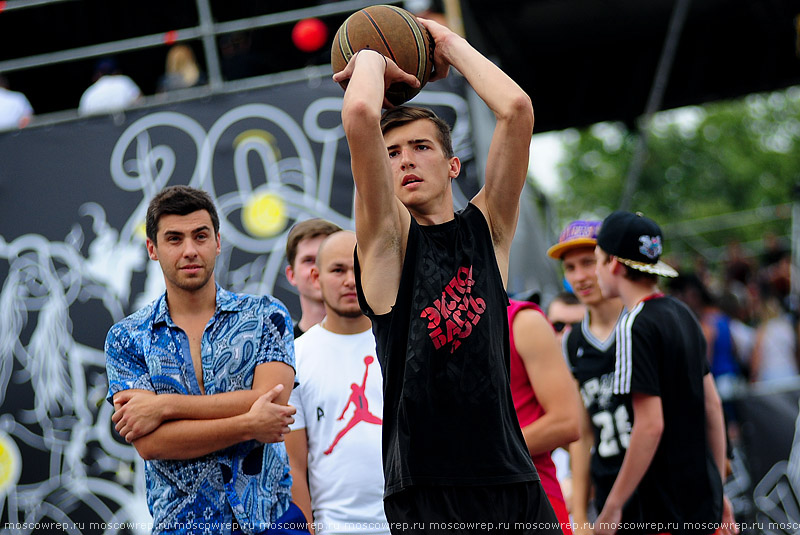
{"points": [[207, 31]]}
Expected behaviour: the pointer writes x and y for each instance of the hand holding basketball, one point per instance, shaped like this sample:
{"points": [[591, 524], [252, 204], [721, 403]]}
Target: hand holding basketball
{"points": [[397, 35], [393, 76], [440, 35]]}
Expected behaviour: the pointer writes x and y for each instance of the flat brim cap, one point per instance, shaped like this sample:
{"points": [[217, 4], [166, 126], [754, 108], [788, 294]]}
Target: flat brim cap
{"points": [[577, 234], [636, 241]]}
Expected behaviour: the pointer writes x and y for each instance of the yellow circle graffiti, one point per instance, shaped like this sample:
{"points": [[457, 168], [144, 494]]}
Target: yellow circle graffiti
{"points": [[10, 463], [264, 215], [256, 135]]}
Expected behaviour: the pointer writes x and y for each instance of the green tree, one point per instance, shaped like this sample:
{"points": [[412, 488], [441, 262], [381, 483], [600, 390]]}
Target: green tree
{"points": [[702, 161]]}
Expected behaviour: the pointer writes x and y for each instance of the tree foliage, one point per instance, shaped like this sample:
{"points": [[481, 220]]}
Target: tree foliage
{"points": [[702, 161]]}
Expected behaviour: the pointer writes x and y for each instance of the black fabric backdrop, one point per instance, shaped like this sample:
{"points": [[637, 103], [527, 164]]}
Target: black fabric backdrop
{"points": [[73, 261]]}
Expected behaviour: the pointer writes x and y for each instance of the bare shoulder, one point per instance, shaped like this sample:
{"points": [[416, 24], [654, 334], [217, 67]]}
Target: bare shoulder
{"points": [[501, 230], [380, 251], [502, 220], [530, 319]]}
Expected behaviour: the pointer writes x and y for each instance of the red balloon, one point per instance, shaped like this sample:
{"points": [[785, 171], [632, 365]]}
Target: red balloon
{"points": [[309, 35], [171, 37]]}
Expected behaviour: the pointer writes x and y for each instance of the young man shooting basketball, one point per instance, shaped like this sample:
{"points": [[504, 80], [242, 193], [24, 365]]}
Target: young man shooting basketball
{"points": [[433, 283]]}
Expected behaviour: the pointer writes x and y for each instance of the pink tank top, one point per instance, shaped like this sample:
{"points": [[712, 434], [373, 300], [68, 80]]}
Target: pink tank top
{"points": [[527, 406]]}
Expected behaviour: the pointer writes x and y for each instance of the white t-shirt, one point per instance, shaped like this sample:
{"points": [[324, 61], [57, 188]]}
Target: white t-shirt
{"points": [[113, 92], [777, 350], [14, 107], [339, 376]]}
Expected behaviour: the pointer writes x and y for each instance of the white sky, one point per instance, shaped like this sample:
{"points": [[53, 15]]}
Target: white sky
{"points": [[547, 150]]}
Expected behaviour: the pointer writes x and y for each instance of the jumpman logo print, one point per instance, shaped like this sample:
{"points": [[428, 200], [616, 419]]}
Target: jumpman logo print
{"points": [[359, 400]]}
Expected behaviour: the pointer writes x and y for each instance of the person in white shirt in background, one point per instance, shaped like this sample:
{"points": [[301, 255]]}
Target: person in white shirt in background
{"points": [[15, 109], [111, 91], [335, 443]]}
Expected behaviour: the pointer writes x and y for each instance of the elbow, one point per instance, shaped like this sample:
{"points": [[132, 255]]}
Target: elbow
{"points": [[572, 431], [356, 113], [147, 449], [524, 107], [713, 405], [519, 109], [147, 455], [653, 429], [573, 418]]}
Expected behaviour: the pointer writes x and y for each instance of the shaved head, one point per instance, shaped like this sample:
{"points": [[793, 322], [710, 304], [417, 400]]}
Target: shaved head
{"points": [[335, 274], [341, 241]]}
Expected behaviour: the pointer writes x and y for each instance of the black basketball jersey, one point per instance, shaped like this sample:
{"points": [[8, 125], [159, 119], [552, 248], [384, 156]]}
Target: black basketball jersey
{"points": [[592, 361], [448, 414], [662, 352]]}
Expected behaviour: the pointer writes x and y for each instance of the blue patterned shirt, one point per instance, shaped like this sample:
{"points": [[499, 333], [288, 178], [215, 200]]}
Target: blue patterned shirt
{"points": [[249, 482]]}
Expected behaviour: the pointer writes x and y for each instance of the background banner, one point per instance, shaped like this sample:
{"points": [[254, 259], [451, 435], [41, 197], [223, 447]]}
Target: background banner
{"points": [[72, 262], [766, 473]]}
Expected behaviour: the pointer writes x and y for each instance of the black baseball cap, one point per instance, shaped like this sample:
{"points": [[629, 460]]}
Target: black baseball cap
{"points": [[636, 241]]}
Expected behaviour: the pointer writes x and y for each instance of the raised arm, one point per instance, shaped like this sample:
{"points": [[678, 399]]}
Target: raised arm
{"points": [[507, 163], [381, 220], [552, 382]]}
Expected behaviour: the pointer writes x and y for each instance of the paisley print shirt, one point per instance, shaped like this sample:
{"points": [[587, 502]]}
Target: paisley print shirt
{"points": [[247, 483]]}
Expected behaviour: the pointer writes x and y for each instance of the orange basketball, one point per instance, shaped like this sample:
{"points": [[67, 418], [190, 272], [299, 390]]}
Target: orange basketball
{"points": [[395, 33]]}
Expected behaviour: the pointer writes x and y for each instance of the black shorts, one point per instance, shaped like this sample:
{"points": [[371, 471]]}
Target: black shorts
{"points": [[515, 508]]}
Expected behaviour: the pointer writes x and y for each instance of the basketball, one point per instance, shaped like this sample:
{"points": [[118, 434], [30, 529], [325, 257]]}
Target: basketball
{"points": [[395, 33]]}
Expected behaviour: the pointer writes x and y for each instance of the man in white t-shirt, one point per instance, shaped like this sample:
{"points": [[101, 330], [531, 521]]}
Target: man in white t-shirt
{"points": [[335, 443], [111, 91]]}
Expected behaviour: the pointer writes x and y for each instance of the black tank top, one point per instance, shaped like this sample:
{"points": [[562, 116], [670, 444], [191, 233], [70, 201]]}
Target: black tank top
{"points": [[448, 416]]}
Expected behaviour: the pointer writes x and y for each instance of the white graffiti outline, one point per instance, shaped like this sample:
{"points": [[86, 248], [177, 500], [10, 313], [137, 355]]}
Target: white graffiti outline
{"points": [[47, 279]]}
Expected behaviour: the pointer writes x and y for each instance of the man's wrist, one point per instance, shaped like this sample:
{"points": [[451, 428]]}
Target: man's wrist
{"points": [[244, 426], [385, 61], [166, 405], [446, 45], [612, 503], [579, 516]]}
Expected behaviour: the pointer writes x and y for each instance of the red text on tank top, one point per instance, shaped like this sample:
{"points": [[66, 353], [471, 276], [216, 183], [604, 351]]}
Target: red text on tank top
{"points": [[451, 317]]}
